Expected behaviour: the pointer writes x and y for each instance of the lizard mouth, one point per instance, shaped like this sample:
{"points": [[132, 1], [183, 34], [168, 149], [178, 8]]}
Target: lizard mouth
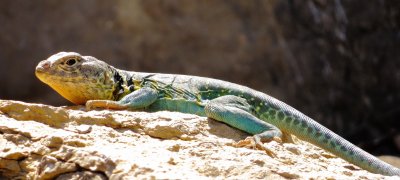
{"points": [[42, 70]]}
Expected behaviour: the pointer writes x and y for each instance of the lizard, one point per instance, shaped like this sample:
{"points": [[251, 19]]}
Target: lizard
{"points": [[85, 80]]}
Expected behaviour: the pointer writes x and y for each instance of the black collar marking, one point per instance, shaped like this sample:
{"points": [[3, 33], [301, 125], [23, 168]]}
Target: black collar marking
{"points": [[118, 85]]}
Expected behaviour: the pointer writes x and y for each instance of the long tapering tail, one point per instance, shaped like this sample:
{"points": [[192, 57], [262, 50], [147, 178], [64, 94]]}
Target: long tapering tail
{"points": [[294, 122]]}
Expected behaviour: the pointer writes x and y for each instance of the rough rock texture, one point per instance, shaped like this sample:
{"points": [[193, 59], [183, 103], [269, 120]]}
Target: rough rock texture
{"points": [[334, 60], [45, 142]]}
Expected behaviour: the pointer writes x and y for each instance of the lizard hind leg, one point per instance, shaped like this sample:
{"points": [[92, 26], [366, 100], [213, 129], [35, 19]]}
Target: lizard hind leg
{"points": [[236, 112]]}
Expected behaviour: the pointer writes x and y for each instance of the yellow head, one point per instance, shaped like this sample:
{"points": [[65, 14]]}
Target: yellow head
{"points": [[77, 78]]}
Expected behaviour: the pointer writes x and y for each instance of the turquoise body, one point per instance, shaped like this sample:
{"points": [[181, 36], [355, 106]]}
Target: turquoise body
{"points": [[190, 94]]}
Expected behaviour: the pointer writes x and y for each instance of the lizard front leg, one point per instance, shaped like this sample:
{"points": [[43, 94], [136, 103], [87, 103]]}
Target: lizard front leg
{"points": [[136, 100], [236, 112]]}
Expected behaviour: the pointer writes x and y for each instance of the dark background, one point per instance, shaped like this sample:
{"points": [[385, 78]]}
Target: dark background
{"points": [[336, 61]]}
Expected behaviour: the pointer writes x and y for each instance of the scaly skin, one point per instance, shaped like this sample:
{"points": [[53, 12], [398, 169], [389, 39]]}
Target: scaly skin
{"points": [[86, 80]]}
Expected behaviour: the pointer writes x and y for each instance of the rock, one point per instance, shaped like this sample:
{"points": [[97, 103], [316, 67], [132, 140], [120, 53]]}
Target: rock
{"points": [[45, 142], [336, 61]]}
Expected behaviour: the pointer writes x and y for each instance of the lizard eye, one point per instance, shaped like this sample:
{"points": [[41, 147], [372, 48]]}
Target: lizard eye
{"points": [[70, 62]]}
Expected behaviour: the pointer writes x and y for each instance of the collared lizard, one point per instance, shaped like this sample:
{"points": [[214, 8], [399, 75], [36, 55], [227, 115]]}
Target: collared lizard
{"points": [[87, 80]]}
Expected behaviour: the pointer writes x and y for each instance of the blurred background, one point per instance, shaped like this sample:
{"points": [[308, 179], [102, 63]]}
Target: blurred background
{"points": [[336, 61]]}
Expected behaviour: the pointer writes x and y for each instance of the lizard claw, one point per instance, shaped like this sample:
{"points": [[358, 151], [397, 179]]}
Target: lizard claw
{"points": [[107, 104], [254, 142]]}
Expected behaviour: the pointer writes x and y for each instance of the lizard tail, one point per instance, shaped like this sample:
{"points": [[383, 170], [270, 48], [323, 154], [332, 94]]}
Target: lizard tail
{"points": [[309, 130], [292, 121]]}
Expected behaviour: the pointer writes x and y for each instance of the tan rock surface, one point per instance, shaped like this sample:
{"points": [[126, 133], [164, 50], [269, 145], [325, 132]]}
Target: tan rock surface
{"points": [[45, 142]]}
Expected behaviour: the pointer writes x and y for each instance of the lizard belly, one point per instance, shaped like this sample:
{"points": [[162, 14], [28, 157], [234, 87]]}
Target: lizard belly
{"points": [[179, 105]]}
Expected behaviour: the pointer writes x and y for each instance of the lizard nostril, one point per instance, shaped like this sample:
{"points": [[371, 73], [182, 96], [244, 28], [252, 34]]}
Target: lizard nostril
{"points": [[43, 66], [46, 65]]}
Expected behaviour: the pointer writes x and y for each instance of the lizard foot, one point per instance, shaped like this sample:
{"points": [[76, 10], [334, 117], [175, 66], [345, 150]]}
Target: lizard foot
{"points": [[107, 104], [254, 142]]}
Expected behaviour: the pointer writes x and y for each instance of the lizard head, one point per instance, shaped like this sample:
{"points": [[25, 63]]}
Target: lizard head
{"points": [[77, 78]]}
